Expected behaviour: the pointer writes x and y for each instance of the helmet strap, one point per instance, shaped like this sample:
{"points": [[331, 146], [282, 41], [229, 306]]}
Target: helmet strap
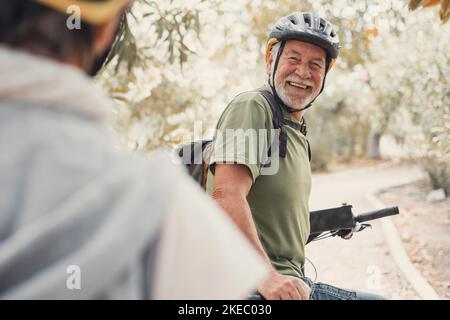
{"points": [[277, 60], [272, 78]]}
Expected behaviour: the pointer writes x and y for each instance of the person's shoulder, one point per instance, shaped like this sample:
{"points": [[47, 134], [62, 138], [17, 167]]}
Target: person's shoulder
{"points": [[249, 102], [160, 167], [247, 110], [252, 98]]}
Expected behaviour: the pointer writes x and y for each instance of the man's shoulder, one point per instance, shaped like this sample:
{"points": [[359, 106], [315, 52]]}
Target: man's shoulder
{"points": [[249, 103], [248, 109], [252, 98]]}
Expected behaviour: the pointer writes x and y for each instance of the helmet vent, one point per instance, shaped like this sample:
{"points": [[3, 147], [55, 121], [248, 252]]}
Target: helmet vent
{"points": [[307, 20], [322, 25]]}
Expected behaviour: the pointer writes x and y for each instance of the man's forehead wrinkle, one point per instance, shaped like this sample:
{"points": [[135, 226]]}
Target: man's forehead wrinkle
{"points": [[291, 51]]}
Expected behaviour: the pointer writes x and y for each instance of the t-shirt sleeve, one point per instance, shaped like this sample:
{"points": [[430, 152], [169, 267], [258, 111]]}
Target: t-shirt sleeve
{"points": [[242, 133]]}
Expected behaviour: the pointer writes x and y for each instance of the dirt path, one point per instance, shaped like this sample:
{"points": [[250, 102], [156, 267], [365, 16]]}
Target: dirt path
{"points": [[364, 262]]}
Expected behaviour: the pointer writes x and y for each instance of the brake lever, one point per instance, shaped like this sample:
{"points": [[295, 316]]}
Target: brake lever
{"points": [[361, 226], [348, 233], [345, 233]]}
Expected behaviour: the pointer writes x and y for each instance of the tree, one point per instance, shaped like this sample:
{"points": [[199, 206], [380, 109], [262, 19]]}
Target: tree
{"points": [[201, 49], [147, 67], [444, 11]]}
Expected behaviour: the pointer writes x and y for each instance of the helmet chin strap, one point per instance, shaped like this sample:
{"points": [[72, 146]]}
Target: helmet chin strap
{"points": [[272, 78], [274, 91]]}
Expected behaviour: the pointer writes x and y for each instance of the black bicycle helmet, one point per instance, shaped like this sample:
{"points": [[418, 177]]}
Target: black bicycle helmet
{"points": [[306, 27]]}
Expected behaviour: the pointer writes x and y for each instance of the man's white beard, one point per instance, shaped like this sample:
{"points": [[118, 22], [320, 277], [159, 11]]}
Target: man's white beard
{"points": [[296, 105]]}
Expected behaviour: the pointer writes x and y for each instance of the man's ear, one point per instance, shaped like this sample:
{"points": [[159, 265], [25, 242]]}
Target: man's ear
{"points": [[104, 34]]}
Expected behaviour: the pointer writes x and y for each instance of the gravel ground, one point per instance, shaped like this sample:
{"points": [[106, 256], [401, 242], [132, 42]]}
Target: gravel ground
{"points": [[424, 228]]}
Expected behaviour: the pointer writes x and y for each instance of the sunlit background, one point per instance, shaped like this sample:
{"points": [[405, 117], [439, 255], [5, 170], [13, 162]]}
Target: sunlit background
{"points": [[388, 96]]}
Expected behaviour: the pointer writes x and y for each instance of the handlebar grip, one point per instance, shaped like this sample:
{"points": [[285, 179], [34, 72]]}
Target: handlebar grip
{"points": [[372, 215]]}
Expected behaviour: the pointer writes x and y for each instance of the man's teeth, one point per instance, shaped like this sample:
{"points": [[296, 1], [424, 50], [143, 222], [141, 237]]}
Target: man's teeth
{"points": [[298, 85]]}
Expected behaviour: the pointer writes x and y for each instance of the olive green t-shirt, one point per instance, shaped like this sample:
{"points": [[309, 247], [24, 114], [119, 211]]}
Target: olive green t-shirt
{"points": [[279, 195]]}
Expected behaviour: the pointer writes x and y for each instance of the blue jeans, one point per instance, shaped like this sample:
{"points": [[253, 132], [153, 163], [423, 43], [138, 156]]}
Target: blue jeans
{"points": [[323, 291]]}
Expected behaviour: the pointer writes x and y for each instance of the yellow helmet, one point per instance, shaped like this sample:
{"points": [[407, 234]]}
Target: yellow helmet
{"points": [[93, 12]]}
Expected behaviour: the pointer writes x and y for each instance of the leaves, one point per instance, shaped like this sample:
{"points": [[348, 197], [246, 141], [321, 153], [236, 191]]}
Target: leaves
{"points": [[414, 4], [144, 74], [171, 28], [444, 11]]}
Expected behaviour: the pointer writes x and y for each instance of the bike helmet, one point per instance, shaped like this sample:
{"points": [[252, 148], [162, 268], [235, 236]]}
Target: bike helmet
{"points": [[94, 12], [306, 27]]}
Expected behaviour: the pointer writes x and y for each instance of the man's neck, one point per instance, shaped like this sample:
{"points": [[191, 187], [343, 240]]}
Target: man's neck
{"points": [[298, 115]]}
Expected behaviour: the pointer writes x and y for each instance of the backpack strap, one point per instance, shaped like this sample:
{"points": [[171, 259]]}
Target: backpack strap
{"points": [[279, 122], [297, 126]]}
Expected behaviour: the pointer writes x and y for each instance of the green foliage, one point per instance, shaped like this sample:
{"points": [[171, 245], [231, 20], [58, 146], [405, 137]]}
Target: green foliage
{"points": [[444, 11], [171, 25], [146, 70], [413, 73]]}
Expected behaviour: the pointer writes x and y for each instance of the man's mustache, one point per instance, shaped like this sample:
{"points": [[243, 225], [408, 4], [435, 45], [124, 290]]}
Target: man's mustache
{"points": [[308, 83]]}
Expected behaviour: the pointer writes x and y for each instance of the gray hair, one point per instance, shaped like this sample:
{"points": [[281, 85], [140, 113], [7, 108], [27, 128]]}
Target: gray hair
{"points": [[274, 52]]}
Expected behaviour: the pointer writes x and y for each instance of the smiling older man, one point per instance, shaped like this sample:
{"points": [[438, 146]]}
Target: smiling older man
{"points": [[271, 206]]}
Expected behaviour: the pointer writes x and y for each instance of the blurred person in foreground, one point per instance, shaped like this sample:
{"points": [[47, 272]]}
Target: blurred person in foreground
{"points": [[78, 219], [269, 202]]}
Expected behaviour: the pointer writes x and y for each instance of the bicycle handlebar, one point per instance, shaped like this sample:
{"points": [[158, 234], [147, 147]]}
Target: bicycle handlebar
{"points": [[338, 219], [377, 214]]}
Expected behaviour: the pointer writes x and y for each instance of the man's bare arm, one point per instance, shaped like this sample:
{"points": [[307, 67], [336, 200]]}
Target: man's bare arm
{"points": [[232, 184]]}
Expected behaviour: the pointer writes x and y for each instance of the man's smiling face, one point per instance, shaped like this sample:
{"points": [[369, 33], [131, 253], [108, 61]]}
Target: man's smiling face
{"points": [[300, 73]]}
